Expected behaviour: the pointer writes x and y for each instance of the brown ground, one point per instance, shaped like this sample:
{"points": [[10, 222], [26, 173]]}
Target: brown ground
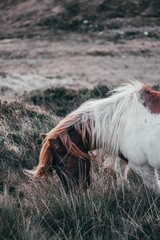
{"points": [[37, 51], [76, 61]]}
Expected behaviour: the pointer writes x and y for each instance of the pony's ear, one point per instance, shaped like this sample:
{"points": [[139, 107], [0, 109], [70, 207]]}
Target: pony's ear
{"points": [[43, 136]]}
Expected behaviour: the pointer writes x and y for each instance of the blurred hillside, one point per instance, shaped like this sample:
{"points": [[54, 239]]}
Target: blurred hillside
{"points": [[26, 18]]}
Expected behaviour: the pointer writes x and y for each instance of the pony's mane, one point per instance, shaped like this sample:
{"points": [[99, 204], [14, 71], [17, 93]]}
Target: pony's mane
{"points": [[93, 116], [99, 122], [109, 115], [45, 163]]}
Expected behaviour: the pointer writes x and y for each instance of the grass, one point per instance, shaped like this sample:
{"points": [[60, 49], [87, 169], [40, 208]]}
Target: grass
{"points": [[39, 209], [46, 212], [61, 101]]}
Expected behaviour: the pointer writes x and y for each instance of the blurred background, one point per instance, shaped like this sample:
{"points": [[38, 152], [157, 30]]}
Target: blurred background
{"points": [[77, 43]]}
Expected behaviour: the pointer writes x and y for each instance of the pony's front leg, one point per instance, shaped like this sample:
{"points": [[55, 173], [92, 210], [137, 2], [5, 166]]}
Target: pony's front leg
{"points": [[149, 176], [122, 168]]}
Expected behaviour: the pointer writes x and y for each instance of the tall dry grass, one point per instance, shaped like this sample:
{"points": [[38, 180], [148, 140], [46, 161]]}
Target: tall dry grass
{"points": [[45, 211]]}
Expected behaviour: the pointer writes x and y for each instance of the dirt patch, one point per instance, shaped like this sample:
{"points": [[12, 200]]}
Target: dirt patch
{"points": [[76, 61], [63, 43]]}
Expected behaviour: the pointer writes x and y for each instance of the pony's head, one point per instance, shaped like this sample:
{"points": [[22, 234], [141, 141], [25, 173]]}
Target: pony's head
{"points": [[59, 150]]}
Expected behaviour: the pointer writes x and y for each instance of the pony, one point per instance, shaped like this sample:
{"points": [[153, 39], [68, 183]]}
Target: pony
{"points": [[125, 125]]}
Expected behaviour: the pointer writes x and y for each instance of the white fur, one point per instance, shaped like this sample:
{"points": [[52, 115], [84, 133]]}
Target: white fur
{"points": [[121, 123], [107, 116]]}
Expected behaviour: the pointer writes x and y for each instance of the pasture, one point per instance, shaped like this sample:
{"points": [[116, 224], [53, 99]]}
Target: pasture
{"points": [[40, 209]]}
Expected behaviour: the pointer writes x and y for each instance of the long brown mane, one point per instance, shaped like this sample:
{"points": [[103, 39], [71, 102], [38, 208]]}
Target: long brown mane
{"points": [[45, 159], [62, 131]]}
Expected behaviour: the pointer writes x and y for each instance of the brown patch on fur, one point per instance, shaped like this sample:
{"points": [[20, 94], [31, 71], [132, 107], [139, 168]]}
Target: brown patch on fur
{"points": [[150, 99]]}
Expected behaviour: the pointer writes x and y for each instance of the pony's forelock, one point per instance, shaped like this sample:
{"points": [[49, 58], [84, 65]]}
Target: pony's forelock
{"points": [[45, 159], [61, 130]]}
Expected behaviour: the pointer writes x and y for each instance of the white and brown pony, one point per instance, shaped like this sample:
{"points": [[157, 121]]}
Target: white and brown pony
{"points": [[125, 125]]}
